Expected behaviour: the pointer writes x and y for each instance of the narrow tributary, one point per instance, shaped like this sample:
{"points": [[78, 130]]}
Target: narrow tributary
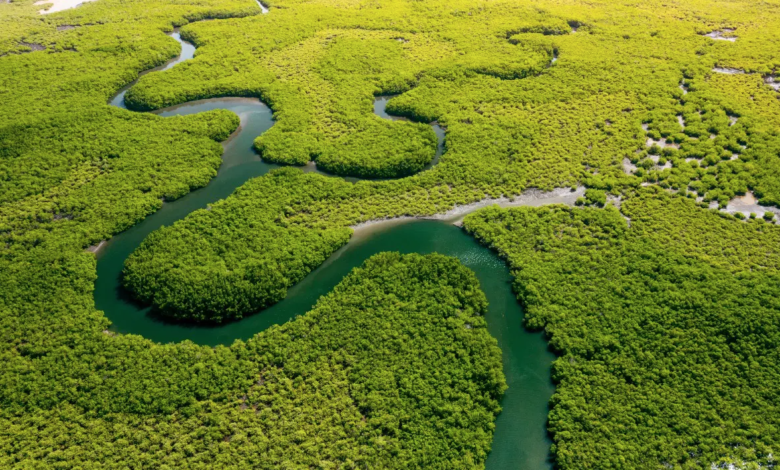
{"points": [[187, 53], [520, 441]]}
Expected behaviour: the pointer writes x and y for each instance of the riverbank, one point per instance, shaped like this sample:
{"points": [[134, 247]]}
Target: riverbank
{"points": [[530, 197]]}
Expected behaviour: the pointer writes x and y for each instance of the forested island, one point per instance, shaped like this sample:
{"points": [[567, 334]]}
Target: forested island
{"points": [[657, 291]]}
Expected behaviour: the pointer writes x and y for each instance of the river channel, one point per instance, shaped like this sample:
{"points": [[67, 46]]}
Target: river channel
{"points": [[520, 441]]}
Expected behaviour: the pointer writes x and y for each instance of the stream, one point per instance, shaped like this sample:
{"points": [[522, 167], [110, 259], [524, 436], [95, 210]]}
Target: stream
{"points": [[520, 440]]}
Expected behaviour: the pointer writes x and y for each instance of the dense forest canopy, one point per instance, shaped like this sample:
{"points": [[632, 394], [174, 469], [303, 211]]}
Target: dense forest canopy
{"points": [[361, 381], [237, 256], [667, 328]]}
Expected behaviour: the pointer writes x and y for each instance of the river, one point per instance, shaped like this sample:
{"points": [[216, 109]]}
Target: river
{"points": [[520, 441]]}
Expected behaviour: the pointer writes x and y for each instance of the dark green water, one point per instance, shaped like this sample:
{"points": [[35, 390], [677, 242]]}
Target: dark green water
{"points": [[520, 440], [187, 53], [380, 109]]}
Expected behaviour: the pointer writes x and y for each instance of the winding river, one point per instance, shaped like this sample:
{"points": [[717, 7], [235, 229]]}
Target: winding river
{"points": [[520, 441]]}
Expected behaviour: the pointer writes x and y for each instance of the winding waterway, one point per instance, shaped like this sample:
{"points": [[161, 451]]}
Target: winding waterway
{"points": [[187, 53], [520, 440]]}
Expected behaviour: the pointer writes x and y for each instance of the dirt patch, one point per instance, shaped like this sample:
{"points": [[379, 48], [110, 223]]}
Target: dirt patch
{"points": [[35, 47], [724, 34], [773, 82], [747, 204], [530, 197], [628, 167], [728, 70]]}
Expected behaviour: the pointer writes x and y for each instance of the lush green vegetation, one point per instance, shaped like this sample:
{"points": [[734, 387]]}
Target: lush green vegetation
{"points": [[360, 381], [483, 71], [667, 330], [239, 255], [513, 121], [74, 171]]}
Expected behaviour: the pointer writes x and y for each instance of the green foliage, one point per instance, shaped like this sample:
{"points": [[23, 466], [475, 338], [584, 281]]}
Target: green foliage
{"points": [[360, 381], [363, 153], [667, 330], [74, 171], [595, 197], [239, 255]]}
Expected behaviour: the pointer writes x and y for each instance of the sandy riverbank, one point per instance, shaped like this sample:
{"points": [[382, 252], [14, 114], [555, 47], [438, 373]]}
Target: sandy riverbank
{"points": [[530, 197]]}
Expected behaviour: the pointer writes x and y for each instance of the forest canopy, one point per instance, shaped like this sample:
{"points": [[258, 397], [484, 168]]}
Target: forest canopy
{"points": [[360, 381], [667, 327], [667, 330], [239, 255]]}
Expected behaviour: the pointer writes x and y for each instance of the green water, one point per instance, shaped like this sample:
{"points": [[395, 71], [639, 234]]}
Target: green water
{"points": [[187, 53], [520, 440]]}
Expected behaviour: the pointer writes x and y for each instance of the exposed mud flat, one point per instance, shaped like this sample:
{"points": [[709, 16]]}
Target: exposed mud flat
{"points": [[772, 82], [629, 167], [35, 47], [770, 79], [728, 70], [96, 248], [663, 143], [748, 204], [724, 34], [530, 197], [683, 87]]}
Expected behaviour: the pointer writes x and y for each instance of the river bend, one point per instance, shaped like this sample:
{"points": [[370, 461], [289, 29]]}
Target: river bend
{"points": [[520, 440]]}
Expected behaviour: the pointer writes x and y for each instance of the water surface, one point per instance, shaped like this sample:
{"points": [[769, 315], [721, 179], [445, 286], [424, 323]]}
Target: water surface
{"points": [[520, 440], [187, 53]]}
